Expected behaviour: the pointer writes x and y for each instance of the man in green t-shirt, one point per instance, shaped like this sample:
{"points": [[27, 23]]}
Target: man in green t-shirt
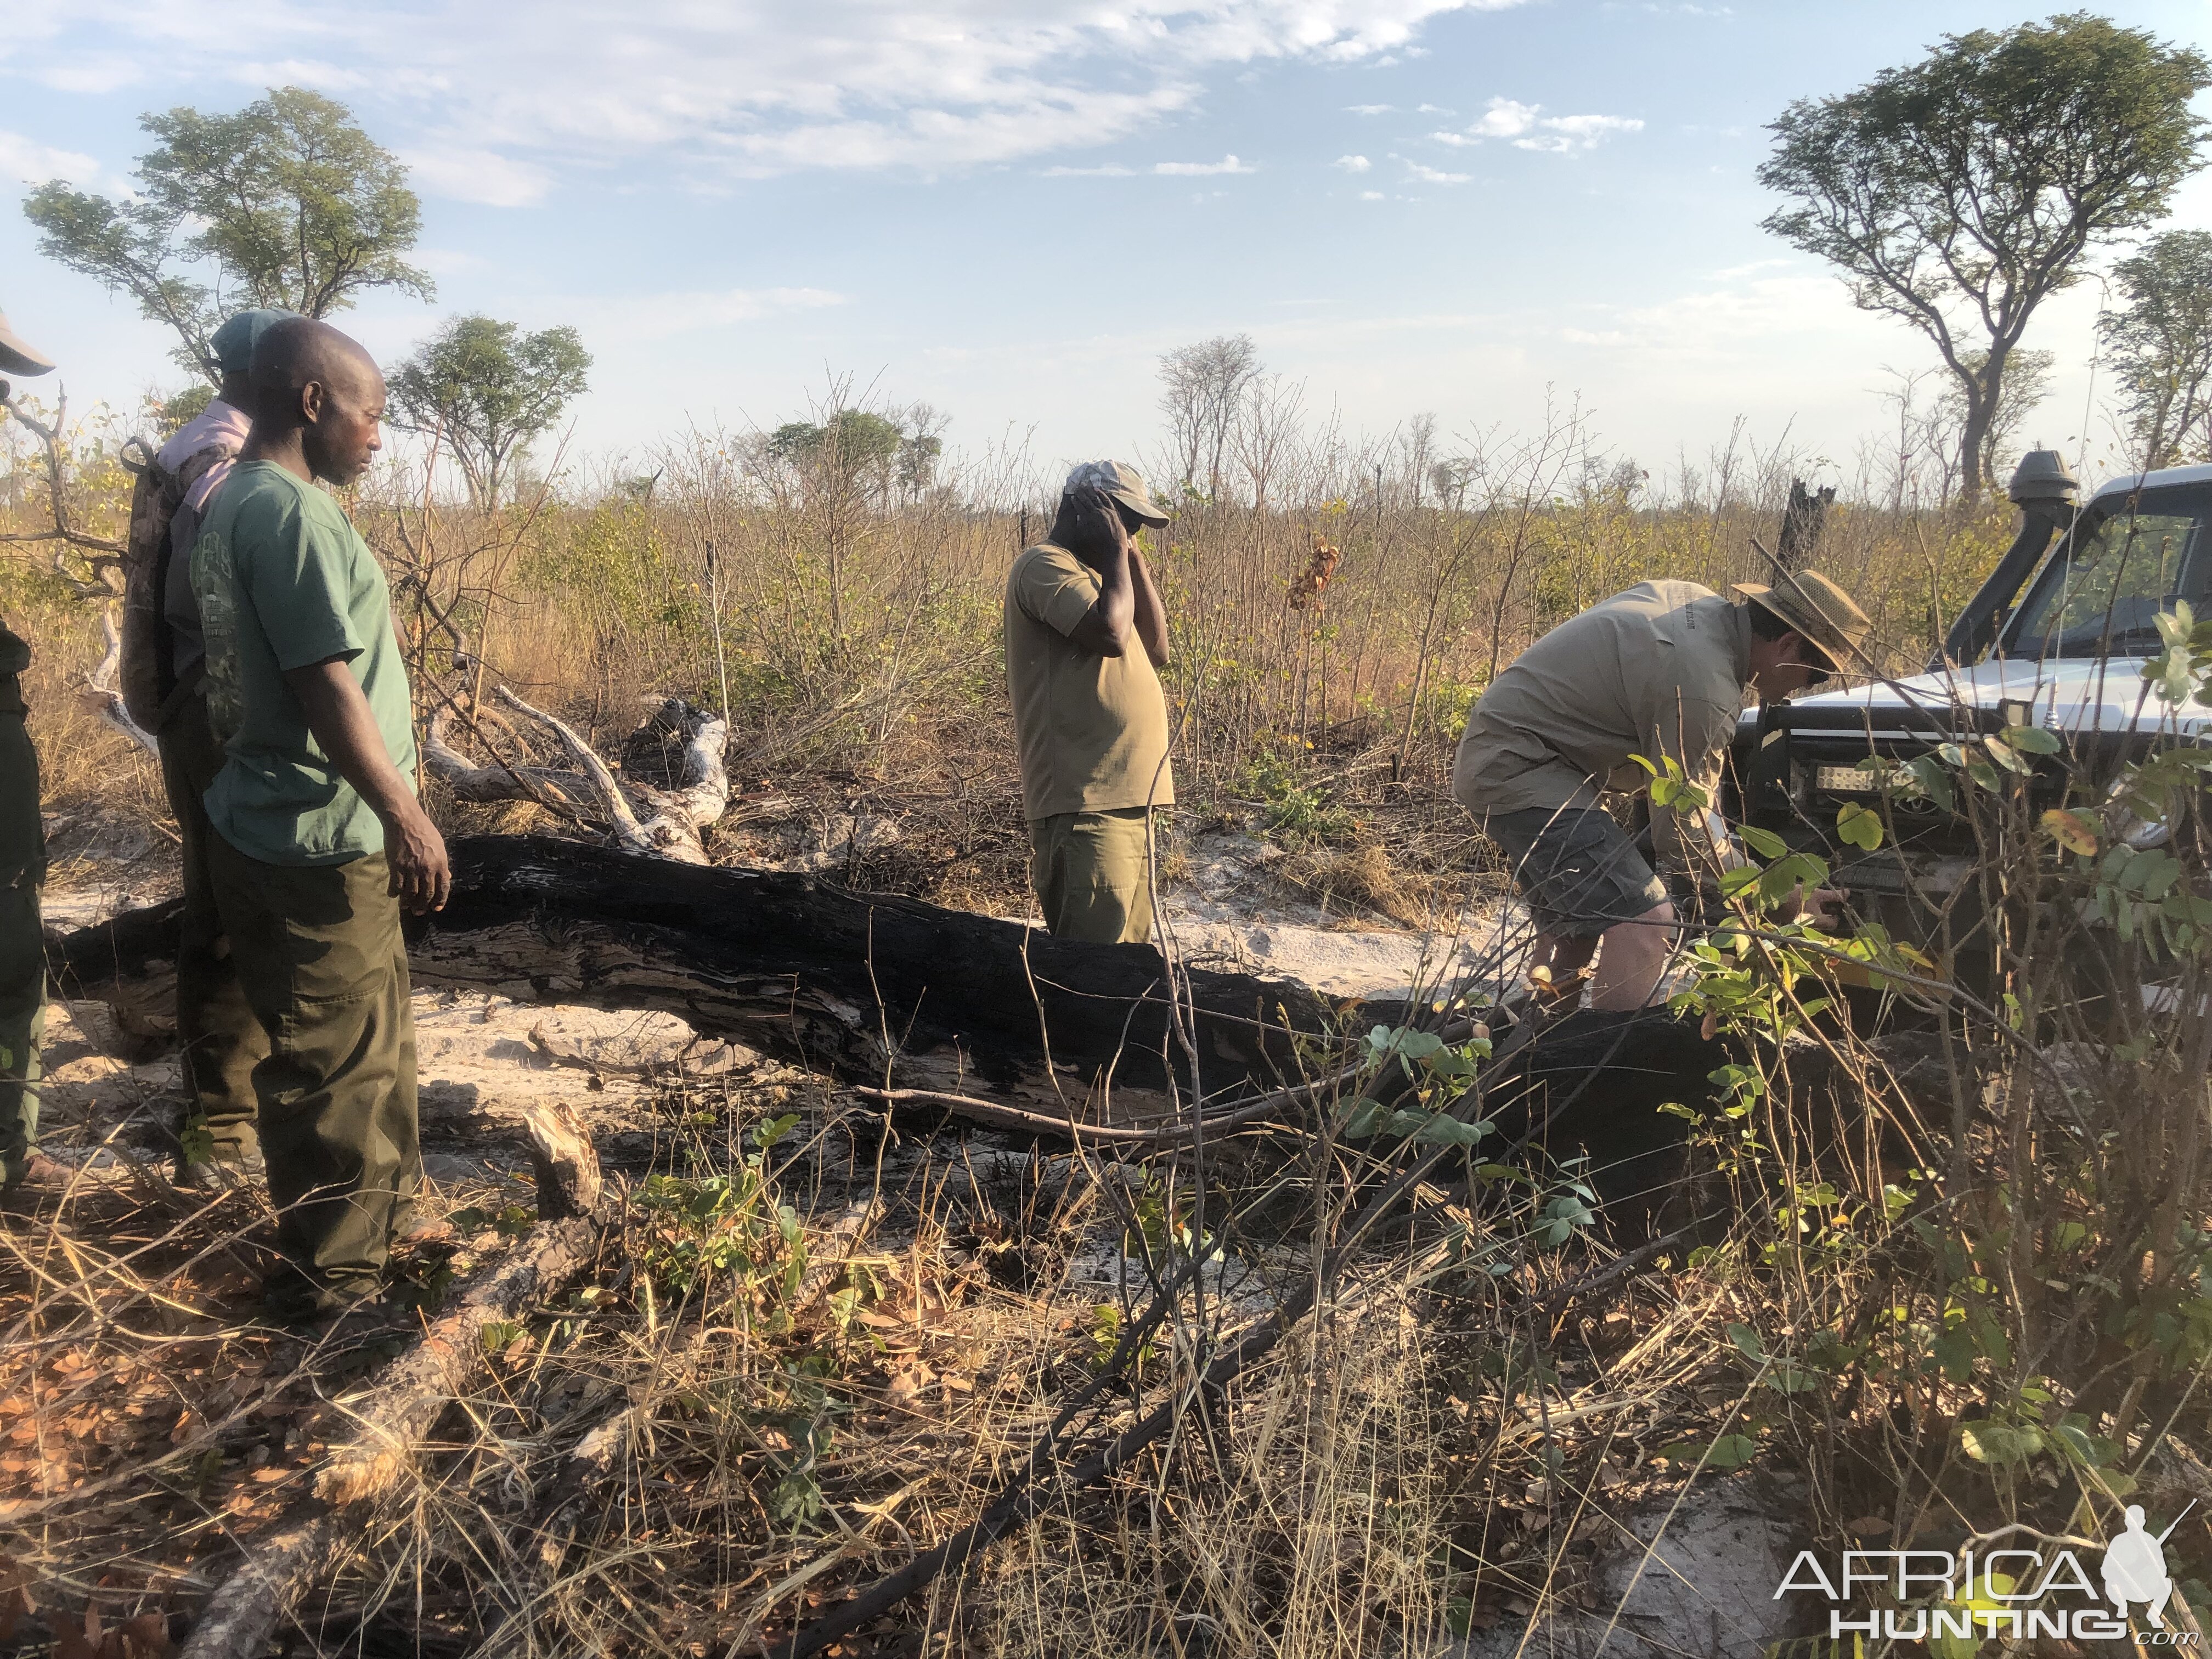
{"points": [[1089, 719], [318, 838]]}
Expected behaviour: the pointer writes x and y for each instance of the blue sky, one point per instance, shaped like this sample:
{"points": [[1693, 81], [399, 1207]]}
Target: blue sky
{"points": [[1011, 210]]}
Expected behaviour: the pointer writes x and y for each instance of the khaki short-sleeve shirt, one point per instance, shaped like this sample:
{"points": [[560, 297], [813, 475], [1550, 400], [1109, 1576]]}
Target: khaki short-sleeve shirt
{"points": [[1092, 731], [1659, 670]]}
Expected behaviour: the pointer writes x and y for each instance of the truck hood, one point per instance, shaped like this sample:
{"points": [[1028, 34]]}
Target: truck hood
{"points": [[2067, 693]]}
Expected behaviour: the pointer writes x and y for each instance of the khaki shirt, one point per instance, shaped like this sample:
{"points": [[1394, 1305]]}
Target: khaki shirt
{"points": [[1092, 730], [1657, 670]]}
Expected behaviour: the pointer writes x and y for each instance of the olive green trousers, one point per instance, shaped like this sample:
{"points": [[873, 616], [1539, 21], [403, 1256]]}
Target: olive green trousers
{"points": [[1093, 875], [223, 1041], [319, 953], [22, 945]]}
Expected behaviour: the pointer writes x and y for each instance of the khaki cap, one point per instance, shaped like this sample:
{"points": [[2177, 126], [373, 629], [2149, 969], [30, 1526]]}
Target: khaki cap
{"points": [[1831, 623], [1121, 481], [17, 355]]}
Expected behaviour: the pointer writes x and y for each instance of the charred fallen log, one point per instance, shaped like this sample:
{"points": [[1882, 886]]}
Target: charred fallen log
{"points": [[854, 983]]}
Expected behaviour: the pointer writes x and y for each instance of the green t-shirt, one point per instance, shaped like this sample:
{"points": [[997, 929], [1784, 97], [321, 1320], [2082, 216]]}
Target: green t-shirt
{"points": [[283, 581]]}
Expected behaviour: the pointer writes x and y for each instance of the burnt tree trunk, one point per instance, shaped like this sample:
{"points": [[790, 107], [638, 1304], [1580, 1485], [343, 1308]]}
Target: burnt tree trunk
{"points": [[854, 983], [1801, 524]]}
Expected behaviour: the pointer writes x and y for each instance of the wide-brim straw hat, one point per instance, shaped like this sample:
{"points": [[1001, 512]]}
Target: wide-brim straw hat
{"points": [[1814, 606]]}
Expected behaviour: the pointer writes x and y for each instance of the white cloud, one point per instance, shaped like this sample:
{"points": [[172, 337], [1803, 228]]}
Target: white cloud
{"points": [[1432, 109], [1525, 126], [1563, 135], [30, 162], [1368, 109], [482, 176], [1505, 118], [1429, 175], [1227, 164], [714, 92], [1202, 169], [1372, 195], [1353, 163]]}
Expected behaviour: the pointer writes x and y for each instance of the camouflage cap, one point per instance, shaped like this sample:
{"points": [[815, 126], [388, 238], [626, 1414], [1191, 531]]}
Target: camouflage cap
{"points": [[17, 355], [1121, 481]]}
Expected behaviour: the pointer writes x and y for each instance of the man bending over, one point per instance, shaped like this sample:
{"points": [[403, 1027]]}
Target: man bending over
{"points": [[1660, 671]]}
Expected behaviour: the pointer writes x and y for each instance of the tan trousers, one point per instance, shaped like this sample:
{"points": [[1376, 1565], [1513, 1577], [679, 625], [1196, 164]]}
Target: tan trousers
{"points": [[1092, 875]]}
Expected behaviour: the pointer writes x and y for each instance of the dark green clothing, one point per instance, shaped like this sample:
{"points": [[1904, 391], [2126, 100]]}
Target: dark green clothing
{"points": [[222, 1040], [1093, 876], [283, 581], [22, 946], [319, 952]]}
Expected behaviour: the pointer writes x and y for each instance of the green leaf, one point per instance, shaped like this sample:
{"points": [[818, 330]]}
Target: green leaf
{"points": [[1442, 1131], [1928, 773], [1788, 1377], [1764, 842], [1747, 1342], [1731, 1451], [2033, 740], [1859, 826], [1999, 1444], [1365, 1118], [2002, 752]]}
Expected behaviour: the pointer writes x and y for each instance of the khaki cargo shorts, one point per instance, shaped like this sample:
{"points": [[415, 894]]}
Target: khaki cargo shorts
{"points": [[1577, 870]]}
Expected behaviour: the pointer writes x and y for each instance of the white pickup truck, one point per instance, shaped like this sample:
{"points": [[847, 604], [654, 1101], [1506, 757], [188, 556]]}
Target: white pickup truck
{"points": [[2057, 637]]}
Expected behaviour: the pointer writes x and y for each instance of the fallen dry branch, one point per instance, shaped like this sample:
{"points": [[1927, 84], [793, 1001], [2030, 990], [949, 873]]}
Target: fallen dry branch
{"points": [[650, 822], [102, 695]]}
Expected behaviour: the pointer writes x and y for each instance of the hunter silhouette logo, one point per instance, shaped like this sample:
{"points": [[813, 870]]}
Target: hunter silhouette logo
{"points": [[2135, 1566]]}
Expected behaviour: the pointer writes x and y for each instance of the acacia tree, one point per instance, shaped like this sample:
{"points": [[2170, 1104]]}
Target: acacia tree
{"points": [[286, 204], [2161, 338], [488, 391], [1959, 192]]}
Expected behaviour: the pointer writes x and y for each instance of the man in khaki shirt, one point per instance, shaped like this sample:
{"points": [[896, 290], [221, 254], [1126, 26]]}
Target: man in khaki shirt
{"points": [[1089, 719], [1659, 671]]}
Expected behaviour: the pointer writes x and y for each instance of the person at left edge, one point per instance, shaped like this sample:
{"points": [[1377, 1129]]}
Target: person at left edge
{"points": [[25, 1172]]}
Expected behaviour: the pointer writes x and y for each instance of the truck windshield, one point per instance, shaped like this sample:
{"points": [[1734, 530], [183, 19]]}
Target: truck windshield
{"points": [[2104, 591]]}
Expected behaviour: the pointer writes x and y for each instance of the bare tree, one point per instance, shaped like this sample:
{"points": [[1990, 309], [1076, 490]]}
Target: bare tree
{"points": [[1202, 390]]}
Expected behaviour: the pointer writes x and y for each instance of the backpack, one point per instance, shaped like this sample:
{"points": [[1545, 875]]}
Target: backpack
{"points": [[146, 673]]}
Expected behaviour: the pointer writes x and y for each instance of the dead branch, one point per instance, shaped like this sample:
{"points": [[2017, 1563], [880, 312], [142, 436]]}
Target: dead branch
{"points": [[107, 581], [102, 695], [653, 822]]}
